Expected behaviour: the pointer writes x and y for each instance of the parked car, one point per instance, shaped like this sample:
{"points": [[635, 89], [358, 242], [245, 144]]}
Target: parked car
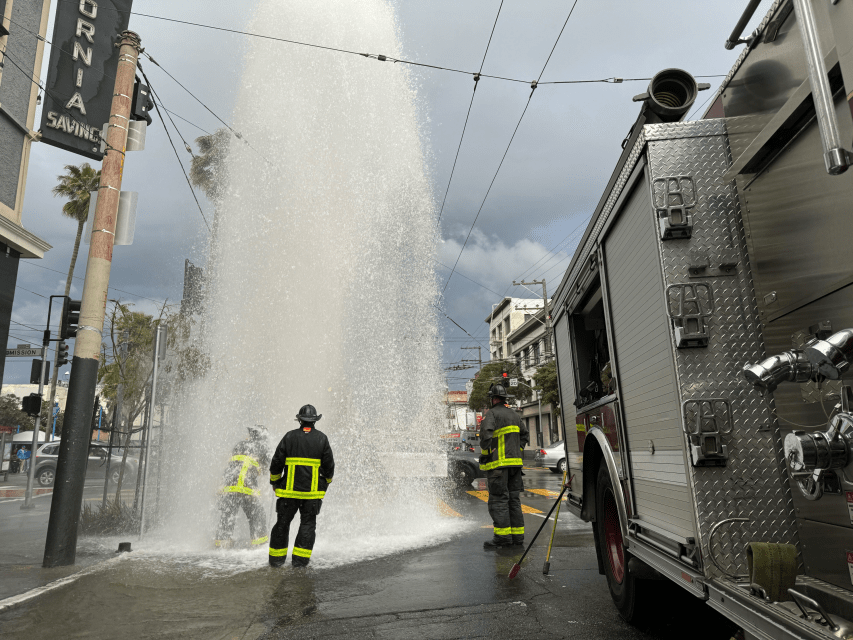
{"points": [[464, 467], [553, 457], [48, 454]]}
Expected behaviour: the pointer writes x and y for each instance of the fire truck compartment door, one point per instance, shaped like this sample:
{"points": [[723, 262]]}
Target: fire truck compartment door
{"points": [[645, 365]]}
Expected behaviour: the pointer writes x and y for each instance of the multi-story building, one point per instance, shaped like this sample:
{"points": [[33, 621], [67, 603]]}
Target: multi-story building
{"points": [[20, 20], [529, 347], [506, 316]]}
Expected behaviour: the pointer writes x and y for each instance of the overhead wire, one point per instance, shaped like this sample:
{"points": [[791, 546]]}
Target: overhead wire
{"points": [[171, 142], [515, 131], [468, 115]]}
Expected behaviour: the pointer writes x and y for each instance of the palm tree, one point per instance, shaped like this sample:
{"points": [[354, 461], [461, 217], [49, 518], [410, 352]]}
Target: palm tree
{"points": [[208, 171], [76, 185]]}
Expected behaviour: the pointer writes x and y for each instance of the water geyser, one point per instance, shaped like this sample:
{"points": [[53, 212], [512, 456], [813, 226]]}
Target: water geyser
{"points": [[321, 284]]}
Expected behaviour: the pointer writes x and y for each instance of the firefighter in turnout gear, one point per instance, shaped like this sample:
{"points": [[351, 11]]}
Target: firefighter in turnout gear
{"points": [[301, 470], [503, 435], [242, 489]]}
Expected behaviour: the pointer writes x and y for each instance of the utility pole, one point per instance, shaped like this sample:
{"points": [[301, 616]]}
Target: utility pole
{"points": [[61, 544], [549, 338], [479, 354]]}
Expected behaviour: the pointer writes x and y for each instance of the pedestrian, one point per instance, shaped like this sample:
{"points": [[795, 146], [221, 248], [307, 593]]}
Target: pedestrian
{"points": [[24, 457], [242, 488], [15, 462], [301, 487], [503, 435]]}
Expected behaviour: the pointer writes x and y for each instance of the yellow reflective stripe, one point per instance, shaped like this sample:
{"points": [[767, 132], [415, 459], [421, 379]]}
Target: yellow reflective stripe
{"points": [[505, 430], [503, 531], [245, 458], [328, 481], [501, 447], [260, 540], [239, 489], [300, 495], [302, 553], [291, 471], [274, 477], [510, 462], [485, 452], [309, 462], [517, 531], [278, 552], [315, 478]]}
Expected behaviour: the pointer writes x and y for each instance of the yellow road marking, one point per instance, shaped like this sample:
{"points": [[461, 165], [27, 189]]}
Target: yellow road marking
{"points": [[445, 510], [546, 492], [484, 496]]}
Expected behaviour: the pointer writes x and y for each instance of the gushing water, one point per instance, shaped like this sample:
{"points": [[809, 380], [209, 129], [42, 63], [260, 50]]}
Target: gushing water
{"points": [[321, 288]]}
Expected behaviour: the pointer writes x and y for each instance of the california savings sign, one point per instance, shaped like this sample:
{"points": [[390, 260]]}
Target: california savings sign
{"points": [[81, 75]]}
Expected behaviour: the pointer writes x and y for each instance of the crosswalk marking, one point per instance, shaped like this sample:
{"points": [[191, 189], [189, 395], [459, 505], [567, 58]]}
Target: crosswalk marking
{"points": [[484, 496], [445, 510], [546, 492]]}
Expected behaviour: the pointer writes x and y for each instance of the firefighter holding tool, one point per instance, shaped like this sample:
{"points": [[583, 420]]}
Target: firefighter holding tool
{"points": [[242, 490], [503, 435], [301, 470]]}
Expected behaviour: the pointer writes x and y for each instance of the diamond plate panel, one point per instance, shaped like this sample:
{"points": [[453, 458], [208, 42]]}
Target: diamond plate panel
{"points": [[753, 483]]}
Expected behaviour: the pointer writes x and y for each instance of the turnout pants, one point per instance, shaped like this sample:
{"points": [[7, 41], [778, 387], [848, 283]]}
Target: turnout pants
{"points": [[505, 484], [231, 503], [280, 536]]}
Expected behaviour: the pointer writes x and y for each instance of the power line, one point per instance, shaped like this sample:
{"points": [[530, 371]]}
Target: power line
{"points": [[518, 124], [130, 293], [169, 135], [467, 115], [236, 133]]}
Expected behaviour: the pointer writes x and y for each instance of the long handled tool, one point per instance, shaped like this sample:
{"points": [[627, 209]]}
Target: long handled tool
{"points": [[547, 566], [517, 566]]}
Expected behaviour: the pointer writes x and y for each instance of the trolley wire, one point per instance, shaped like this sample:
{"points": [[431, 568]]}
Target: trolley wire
{"points": [[533, 86], [468, 115], [171, 142]]}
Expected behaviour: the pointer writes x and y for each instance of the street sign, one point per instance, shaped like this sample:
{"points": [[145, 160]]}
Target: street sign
{"points": [[81, 73], [513, 382], [29, 352]]}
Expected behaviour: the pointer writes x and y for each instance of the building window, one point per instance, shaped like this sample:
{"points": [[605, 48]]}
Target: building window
{"points": [[506, 326], [500, 353], [536, 354], [518, 362]]}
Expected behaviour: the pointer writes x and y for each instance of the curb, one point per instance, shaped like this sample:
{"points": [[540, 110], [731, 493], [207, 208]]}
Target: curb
{"points": [[12, 601], [19, 493]]}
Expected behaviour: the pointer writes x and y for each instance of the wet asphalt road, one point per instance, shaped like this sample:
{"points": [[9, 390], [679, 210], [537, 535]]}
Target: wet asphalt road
{"points": [[451, 590]]}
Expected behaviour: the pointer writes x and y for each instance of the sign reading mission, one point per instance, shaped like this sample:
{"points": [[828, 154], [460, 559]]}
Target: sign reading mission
{"points": [[81, 75]]}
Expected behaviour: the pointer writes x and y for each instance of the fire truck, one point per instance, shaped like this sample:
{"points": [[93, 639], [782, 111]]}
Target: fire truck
{"points": [[704, 335]]}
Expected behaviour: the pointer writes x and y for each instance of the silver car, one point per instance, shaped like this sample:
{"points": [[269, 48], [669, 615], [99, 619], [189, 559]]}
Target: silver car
{"points": [[48, 454], [553, 457]]}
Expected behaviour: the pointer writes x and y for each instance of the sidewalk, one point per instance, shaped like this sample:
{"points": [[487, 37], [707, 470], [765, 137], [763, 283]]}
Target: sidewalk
{"points": [[22, 537]]}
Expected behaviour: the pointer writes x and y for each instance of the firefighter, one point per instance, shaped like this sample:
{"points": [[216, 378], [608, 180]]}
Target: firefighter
{"points": [[503, 435], [242, 490], [301, 470]]}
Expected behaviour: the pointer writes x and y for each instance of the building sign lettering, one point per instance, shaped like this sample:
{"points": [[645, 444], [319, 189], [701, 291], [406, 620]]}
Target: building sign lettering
{"points": [[81, 75]]}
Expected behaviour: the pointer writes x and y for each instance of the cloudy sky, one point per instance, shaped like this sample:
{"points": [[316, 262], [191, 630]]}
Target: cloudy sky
{"points": [[550, 182]]}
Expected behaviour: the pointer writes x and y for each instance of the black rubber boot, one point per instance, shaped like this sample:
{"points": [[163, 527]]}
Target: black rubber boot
{"points": [[277, 563], [299, 564], [496, 543], [518, 541]]}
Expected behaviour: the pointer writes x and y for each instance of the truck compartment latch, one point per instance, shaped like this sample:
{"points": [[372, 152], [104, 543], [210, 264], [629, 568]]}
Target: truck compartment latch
{"points": [[706, 421], [674, 197], [690, 305]]}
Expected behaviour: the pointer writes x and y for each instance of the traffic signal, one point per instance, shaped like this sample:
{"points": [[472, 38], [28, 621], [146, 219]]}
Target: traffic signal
{"points": [[62, 356], [35, 370], [505, 376], [142, 104], [70, 319], [31, 404]]}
